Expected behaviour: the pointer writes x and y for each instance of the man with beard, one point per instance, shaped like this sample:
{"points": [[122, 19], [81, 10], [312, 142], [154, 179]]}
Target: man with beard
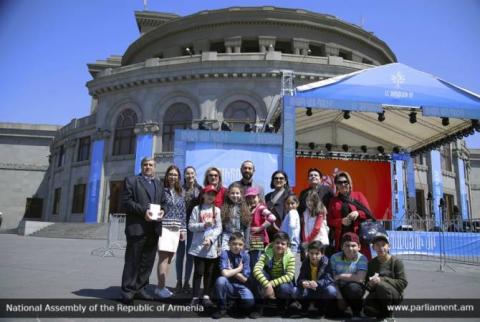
{"points": [[248, 169]]}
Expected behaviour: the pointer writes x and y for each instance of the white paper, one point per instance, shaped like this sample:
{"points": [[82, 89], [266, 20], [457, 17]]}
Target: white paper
{"points": [[155, 210]]}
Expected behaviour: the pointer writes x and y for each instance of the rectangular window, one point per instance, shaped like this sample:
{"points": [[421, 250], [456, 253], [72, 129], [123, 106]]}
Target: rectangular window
{"points": [[250, 46], [218, 46], [83, 149], [33, 208], [347, 55], [420, 199], [124, 142], [446, 157], [317, 50], [56, 201], [169, 133], [78, 198], [448, 215], [116, 188], [61, 156], [419, 159], [284, 46]]}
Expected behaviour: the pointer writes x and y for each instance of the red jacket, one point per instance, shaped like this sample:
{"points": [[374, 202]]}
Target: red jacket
{"points": [[334, 219]]}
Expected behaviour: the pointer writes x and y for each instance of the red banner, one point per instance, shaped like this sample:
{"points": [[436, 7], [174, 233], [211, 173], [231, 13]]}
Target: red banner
{"points": [[373, 179]]}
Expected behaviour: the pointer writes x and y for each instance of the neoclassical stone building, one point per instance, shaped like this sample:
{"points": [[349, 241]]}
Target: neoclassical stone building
{"points": [[199, 70]]}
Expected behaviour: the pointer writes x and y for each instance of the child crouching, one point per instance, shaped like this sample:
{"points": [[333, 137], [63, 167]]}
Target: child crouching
{"points": [[315, 281], [274, 273], [235, 270]]}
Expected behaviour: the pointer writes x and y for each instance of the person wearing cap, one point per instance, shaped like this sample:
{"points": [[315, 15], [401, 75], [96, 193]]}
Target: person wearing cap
{"points": [[206, 226], [386, 280], [349, 269], [262, 218]]}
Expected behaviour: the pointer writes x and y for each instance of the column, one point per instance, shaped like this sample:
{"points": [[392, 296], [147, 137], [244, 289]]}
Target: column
{"points": [[461, 188], [300, 46], [411, 188], [436, 184], [399, 193], [233, 44], [266, 43], [96, 176], [145, 133]]}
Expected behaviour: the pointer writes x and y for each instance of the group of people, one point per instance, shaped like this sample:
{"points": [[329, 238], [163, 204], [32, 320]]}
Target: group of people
{"points": [[303, 253]]}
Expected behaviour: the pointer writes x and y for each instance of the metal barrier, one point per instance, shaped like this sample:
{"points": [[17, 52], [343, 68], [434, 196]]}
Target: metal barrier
{"points": [[448, 241], [116, 238]]}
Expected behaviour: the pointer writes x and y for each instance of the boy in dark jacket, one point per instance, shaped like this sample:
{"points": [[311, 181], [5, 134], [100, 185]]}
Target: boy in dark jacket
{"points": [[315, 282]]}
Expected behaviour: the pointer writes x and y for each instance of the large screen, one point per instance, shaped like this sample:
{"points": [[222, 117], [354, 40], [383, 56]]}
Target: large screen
{"points": [[373, 179]]}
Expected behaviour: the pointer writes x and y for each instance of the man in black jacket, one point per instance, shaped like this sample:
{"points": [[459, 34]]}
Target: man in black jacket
{"points": [[141, 230]]}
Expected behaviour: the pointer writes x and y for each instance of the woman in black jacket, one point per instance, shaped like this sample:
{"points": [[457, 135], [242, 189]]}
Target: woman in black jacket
{"points": [[275, 199]]}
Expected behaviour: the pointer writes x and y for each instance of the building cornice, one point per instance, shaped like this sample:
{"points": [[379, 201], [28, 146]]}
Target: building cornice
{"points": [[211, 65], [23, 167]]}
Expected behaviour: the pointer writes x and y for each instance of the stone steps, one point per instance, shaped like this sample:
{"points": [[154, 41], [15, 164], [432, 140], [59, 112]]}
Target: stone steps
{"points": [[74, 231]]}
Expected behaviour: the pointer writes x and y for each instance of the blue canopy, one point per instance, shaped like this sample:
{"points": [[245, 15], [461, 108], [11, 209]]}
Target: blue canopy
{"points": [[392, 85]]}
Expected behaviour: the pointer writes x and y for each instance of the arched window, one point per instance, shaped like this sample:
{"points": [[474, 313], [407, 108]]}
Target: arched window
{"points": [[177, 116], [239, 113], [124, 141]]}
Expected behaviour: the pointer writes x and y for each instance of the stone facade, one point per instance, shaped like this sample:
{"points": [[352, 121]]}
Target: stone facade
{"points": [[474, 179], [24, 162]]}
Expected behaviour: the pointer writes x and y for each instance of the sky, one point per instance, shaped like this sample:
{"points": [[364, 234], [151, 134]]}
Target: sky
{"points": [[45, 45]]}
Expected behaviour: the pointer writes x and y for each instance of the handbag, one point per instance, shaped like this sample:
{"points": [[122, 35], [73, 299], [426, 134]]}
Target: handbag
{"points": [[369, 228]]}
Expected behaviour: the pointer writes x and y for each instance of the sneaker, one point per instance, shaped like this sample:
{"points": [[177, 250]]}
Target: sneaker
{"points": [[256, 314], [206, 302], [219, 314], [163, 293], [295, 306], [195, 301]]}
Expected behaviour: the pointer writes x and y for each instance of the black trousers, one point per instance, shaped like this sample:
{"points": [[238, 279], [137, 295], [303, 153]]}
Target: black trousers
{"points": [[139, 259], [379, 297], [352, 292], [206, 268]]}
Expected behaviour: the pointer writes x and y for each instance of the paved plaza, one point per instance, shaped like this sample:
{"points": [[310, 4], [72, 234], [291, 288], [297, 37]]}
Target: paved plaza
{"points": [[36, 267]]}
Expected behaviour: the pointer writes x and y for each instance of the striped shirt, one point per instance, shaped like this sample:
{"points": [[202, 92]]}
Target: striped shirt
{"points": [[341, 265], [280, 270]]}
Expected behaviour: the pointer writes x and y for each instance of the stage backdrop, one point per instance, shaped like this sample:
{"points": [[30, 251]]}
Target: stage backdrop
{"points": [[227, 151], [373, 179]]}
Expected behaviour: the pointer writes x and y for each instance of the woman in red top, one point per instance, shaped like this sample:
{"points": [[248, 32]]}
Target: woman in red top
{"points": [[213, 176], [343, 216]]}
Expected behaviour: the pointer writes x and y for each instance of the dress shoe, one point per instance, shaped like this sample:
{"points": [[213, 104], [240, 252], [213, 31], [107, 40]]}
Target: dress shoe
{"points": [[127, 298]]}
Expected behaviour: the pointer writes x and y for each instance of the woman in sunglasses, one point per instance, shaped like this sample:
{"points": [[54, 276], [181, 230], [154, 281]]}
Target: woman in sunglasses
{"points": [[346, 211], [213, 177], [275, 199]]}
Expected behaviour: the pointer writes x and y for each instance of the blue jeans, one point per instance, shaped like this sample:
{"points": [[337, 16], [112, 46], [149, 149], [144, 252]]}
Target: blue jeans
{"points": [[254, 257], [182, 251], [283, 291], [326, 293], [225, 290]]}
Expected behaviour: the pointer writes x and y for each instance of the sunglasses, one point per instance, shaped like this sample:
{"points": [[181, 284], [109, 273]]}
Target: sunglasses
{"points": [[343, 182], [278, 178]]}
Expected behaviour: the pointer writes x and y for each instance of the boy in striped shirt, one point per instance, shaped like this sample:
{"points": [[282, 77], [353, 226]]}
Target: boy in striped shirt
{"points": [[275, 272]]}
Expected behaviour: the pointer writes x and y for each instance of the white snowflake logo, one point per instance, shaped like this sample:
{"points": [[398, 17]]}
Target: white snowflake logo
{"points": [[398, 78]]}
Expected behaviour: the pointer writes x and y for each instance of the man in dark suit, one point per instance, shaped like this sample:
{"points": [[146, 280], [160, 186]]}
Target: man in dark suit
{"points": [[141, 230]]}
